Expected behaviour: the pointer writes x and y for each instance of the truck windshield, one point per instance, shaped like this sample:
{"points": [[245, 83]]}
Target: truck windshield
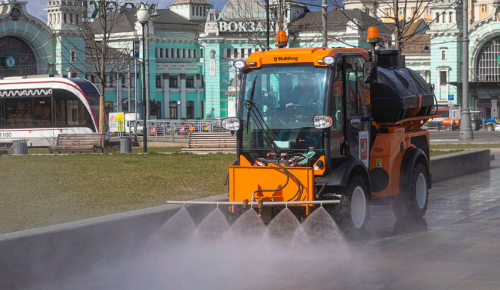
{"points": [[279, 103]]}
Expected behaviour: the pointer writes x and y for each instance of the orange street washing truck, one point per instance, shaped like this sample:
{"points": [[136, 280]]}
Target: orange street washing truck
{"points": [[331, 127]]}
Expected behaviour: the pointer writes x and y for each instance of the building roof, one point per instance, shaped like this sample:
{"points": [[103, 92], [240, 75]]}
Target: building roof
{"points": [[337, 21], [198, 2], [417, 44], [168, 20], [415, 41]]}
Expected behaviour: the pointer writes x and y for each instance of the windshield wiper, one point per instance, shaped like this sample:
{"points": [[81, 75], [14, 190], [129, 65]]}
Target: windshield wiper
{"points": [[259, 120]]}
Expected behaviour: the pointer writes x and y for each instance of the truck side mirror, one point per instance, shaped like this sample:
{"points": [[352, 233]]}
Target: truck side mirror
{"points": [[370, 71]]}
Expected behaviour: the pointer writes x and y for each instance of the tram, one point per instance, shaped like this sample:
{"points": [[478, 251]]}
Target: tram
{"points": [[39, 109]]}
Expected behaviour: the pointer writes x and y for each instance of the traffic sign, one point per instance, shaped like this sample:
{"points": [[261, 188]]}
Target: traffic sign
{"points": [[137, 47], [451, 97]]}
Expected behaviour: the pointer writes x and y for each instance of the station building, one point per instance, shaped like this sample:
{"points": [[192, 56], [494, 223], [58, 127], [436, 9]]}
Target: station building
{"points": [[192, 48]]}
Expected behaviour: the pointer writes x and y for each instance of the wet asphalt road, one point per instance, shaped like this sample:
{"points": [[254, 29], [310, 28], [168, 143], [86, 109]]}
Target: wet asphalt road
{"points": [[456, 246]]}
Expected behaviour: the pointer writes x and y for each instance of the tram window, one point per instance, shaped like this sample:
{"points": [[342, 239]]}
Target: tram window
{"points": [[18, 113], [42, 112], [69, 112], [1, 115]]}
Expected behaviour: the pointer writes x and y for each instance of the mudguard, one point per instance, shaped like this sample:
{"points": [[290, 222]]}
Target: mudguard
{"points": [[343, 168], [409, 160]]}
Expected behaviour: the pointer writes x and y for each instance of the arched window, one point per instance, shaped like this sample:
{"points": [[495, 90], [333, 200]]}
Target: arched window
{"points": [[487, 68], [25, 59]]}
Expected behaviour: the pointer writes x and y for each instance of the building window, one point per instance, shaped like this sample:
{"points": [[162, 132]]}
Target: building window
{"points": [[401, 11], [451, 17], [178, 53], [123, 81], [228, 53], [201, 52], [189, 53], [414, 11], [192, 10], [190, 110], [172, 106], [484, 8], [159, 81], [71, 18], [73, 56], [202, 83], [161, 52], [443, 79], [172, 82], [389, 11], [65, 18], [443, 55], [437, 17], [428, 10], [190, 82], [235, 53]]}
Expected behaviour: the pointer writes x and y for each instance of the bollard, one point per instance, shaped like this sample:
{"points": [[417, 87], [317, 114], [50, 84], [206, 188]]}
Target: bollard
{"points": [[125, 144], [20, 147]]}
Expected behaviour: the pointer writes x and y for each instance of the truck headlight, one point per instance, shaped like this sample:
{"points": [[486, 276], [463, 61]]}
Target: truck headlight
{"points": [[322, 122], [232, 124]]}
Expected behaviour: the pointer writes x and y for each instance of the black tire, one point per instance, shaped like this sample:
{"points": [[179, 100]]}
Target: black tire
{"points": [[353, 215], [447, 128], [489, 128], [412, 201]]}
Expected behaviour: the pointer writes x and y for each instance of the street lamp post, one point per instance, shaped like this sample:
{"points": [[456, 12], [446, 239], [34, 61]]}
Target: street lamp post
{"points": [[143, 18], [465, 123]]}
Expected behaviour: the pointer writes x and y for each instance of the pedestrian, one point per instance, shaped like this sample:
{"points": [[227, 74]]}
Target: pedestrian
{"points": [[453, 126], [439, 126]]}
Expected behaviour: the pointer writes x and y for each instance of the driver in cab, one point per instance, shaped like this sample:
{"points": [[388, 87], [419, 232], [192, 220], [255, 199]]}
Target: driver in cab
{"points": [[303, 95]]}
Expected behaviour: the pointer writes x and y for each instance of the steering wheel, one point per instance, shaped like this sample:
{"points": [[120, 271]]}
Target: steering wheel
{"points": [[301, 110]]}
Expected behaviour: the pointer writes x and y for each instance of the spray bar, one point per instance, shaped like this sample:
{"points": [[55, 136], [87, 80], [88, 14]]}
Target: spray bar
{"points": [[321, 202]]}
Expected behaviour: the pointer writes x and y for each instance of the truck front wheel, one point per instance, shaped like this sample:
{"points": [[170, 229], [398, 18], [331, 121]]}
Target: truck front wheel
{"points": [[412, 201], [354, 211]]}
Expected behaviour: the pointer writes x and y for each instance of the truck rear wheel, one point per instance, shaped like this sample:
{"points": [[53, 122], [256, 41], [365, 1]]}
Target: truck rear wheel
{"points": [[353, 214], [412, 201]]}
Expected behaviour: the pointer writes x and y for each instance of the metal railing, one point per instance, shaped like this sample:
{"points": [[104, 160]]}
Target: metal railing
{"points": [[163, 128]]}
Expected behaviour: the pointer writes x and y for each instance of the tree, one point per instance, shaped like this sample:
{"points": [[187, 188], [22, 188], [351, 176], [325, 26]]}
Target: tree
{"points": [[406, 18], [87, 45]]}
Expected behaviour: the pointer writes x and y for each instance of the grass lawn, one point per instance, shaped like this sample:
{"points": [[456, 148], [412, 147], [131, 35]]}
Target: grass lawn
{"points": [[465, 146], [44, 190], [40, 190]]}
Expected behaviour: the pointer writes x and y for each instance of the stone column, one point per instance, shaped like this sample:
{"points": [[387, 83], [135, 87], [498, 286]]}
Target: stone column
{"points": [[182, 113], [166, 95]]}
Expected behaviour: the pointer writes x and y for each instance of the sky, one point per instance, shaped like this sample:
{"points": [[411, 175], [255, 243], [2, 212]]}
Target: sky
{"points": [[35, 7]]}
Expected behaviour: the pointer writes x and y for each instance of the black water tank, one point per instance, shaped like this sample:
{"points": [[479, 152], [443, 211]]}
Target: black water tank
{"points": [[399, 92]]}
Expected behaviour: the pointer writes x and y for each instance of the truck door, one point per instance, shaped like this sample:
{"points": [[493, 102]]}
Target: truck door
{"points": [[358, 113]]}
